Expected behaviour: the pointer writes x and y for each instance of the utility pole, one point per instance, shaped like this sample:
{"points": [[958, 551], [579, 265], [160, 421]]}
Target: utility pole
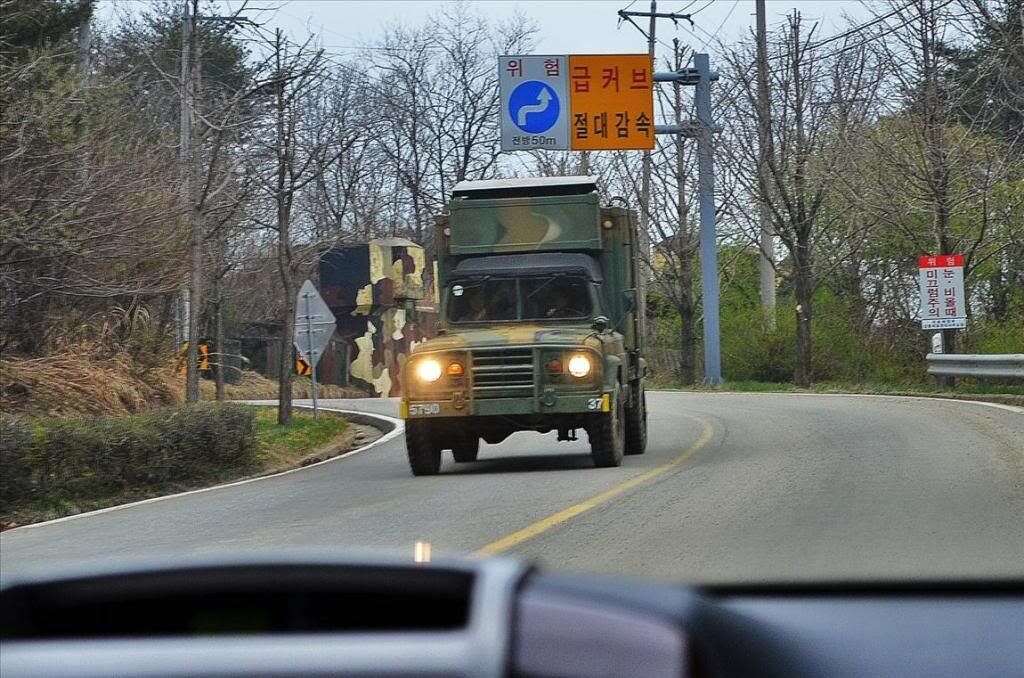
{"points": [[191, 302], [84, 51], [645, 174], [766, 264], [184, 138]]}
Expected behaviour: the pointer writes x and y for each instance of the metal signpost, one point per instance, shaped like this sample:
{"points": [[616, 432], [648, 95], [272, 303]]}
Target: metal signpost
{"points": [[314, 327]]}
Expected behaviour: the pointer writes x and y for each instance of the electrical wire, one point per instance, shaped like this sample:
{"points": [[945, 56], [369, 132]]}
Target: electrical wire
{"points": [[720, 26]]}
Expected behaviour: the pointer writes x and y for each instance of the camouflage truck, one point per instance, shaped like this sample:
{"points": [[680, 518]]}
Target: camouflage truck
{"points": [[539, 328]]}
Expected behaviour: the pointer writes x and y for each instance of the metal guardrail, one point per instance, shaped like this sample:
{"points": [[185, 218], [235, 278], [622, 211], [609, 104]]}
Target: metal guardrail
{"points": [[1009, 366]]}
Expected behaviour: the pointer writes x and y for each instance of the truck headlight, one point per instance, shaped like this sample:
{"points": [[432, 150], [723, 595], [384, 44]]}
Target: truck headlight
{"points": [[579, 365], [428, 370]]}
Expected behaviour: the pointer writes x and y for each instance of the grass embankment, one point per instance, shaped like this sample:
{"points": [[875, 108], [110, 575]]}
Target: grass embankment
{"points": [[254, 386], [305, 441], [1009, 394], [79, 383], [55, 467]]}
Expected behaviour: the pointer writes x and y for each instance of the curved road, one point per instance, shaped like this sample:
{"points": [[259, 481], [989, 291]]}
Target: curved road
{"points": [[734, 487]]}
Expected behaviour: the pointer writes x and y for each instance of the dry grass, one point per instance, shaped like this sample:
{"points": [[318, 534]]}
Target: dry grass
{"points": [[74, 384], [255, 386], [83, 381]]}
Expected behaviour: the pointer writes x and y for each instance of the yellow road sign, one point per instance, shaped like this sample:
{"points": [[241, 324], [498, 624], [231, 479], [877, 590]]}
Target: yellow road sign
{"points": [[303, 368], [611, 99]]}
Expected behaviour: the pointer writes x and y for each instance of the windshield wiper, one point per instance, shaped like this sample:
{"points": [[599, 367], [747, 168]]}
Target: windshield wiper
{"points": [[554, 276]]}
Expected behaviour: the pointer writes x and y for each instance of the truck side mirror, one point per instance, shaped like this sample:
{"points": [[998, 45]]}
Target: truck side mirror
{"points": [[629, 299], [600, 323]]}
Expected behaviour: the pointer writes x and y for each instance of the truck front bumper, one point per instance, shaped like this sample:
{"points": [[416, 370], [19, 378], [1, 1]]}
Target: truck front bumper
{"points": [[547, 403]]}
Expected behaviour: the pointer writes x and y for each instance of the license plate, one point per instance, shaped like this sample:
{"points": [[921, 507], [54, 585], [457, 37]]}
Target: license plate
{"points": [[424, 409]]}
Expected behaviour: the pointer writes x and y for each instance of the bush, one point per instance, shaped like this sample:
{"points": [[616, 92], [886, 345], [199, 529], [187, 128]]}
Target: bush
{"points": [[81, 460], [15, 463]]}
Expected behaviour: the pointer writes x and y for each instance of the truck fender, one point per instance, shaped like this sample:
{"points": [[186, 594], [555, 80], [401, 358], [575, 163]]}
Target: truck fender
{"points": [[612, 372]]}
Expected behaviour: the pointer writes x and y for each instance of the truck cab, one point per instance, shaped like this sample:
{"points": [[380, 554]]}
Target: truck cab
{"points": [[540, 324]]}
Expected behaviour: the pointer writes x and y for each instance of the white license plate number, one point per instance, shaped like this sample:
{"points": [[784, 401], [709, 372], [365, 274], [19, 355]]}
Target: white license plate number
{"points": [[424, 409]]}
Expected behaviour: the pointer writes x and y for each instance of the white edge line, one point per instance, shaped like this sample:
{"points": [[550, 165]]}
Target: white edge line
{"points": [[1001, 406], [390, 435]]}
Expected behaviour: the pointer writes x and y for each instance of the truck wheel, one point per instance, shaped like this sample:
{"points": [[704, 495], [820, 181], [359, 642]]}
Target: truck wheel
{"points": [[467, 449], [607, 433], [423, 448], [636, 422]]}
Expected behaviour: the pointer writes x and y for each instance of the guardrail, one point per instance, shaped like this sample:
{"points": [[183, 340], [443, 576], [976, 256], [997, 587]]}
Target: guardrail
{"points": [[1009, 366]]}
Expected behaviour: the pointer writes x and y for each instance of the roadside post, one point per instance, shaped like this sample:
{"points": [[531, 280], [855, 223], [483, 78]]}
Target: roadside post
{"points": [[314, 327]]}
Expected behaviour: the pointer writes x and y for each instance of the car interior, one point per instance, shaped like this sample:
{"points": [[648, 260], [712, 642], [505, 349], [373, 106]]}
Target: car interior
{"points": [[323, 615]]}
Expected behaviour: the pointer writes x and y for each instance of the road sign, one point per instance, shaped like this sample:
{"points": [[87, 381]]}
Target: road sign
{"points": [[314, 323], [314, 327], [943, 305], [581, 101], [534, 107], [611, 101]]}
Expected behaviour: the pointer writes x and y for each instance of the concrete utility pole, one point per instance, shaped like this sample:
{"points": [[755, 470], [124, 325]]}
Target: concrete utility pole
{"points": [[645, 174], [766, 265], [191, 302], [84, 51], [190, 299]]}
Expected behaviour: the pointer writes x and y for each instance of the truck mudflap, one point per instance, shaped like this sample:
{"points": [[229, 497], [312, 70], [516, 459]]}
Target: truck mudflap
{"points": [[563, 403]]}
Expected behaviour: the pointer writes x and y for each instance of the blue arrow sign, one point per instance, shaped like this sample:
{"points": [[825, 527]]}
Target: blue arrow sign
{"points": [[534, 107]]}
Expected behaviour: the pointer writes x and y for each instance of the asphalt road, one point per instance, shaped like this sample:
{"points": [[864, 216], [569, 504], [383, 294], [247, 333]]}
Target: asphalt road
{"points": [[734, 487]]}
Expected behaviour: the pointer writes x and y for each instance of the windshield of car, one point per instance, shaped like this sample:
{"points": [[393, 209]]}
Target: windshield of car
{"points": [[552, 297]]}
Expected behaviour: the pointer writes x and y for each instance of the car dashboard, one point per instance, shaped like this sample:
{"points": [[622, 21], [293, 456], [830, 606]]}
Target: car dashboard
{"points": [[328, 616]]}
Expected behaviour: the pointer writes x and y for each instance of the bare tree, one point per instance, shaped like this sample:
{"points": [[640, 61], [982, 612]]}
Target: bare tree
{"points": [[293, 147], [818, 103]]}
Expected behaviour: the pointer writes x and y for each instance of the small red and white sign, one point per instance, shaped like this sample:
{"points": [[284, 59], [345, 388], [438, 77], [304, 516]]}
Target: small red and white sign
{"points": [[943, 305]]}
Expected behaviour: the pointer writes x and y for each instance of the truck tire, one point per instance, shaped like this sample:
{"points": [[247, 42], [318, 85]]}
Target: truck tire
{"points": [[636, 421], [467, 449], [423, 448], [607, 433]]}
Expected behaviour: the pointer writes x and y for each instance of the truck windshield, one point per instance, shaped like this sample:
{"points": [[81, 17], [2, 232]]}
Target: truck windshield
{"points": [[533, 298]]}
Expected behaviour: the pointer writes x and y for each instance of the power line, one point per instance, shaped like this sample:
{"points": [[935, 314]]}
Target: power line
{"points": [[871, 38], [721, 25], [857, 29], [706, 5]]}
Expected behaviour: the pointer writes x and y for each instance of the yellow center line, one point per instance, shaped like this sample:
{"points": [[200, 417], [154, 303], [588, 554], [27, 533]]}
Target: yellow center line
{"points": [[545, 524]]}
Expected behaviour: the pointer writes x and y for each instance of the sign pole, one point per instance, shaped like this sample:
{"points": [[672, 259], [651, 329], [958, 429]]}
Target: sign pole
{"points": [[312, 358]]}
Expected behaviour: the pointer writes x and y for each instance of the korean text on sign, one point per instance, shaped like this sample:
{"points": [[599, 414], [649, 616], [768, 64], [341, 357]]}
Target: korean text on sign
{"points": [[612, 102], [942, 290]]}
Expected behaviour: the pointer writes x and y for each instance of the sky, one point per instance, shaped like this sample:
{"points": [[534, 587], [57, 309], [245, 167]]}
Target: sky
{"points": [[566, 26]]}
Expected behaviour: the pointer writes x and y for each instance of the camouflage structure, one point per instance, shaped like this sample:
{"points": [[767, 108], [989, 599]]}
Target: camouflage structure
{"points": [[539, 324], [376, 291]]}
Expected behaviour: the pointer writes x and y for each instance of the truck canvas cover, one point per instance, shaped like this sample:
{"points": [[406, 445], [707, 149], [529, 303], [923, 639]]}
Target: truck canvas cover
{"points": [[489, 217]]}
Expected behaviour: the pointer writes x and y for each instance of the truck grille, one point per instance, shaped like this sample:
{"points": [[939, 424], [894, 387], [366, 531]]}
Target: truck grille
{"points": [[503, 373]]}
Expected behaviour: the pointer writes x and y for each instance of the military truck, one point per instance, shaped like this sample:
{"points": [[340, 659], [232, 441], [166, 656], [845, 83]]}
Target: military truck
{"points": [[539, 328]]}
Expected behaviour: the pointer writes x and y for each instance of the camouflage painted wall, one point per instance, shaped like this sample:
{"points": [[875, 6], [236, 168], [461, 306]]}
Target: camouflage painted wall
{"points": [[373, 290]]}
